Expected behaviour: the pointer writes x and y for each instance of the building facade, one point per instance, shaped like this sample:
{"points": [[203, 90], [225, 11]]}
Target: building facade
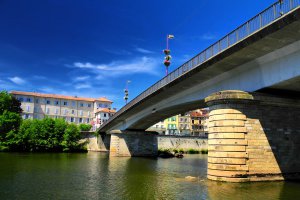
{"points": [[101, 116], [71, 108], [192, 123]]}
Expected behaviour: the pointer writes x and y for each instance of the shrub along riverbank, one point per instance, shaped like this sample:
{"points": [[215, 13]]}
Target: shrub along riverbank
{"points": [[45, 135], [189, 151]]}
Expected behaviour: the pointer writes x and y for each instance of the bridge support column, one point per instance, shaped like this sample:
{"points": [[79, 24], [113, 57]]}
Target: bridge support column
{"points": [[133, 143], [253, 137]]}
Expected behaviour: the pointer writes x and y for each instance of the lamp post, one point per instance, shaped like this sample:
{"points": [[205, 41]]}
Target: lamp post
{"points": [[167, 61], [126, 92]]}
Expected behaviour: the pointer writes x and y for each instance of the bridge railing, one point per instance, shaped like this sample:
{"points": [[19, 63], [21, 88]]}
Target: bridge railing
{"points": [[261, 20]]}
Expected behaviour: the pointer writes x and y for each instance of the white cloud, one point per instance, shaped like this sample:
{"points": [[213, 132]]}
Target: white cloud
{"points": [[141, 50], [144, 65], [81, 78], [17, 80], [83, 86]]}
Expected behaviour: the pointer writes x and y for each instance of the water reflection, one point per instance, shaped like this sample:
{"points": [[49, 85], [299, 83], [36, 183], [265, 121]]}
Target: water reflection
{"points": [[96, 176]]}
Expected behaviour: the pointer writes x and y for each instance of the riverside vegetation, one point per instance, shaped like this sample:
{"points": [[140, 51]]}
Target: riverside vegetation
{"points": [[189, 151], [45, 135]]}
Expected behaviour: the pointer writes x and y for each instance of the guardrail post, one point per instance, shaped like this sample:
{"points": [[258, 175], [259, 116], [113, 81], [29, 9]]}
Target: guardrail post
{"points": [[248, 28], [274, 10], [227, 40], [260, 21]]}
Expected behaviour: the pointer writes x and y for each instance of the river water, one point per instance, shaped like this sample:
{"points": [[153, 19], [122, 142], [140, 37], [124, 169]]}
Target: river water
{"points": [[96, 176]]}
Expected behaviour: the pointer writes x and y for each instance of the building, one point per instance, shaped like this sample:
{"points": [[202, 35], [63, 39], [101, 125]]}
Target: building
{"points": [[71, 108], [158, 127], [199, 120], [101, 116], [171, 125], [184, 124]]}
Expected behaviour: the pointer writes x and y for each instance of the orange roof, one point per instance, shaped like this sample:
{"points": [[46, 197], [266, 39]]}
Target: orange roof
{"points": [[199, 114], [106, 110], [57, 96]]}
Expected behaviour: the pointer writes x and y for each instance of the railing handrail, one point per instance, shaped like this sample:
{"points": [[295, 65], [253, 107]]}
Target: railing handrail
{"points": [[285, 6]]}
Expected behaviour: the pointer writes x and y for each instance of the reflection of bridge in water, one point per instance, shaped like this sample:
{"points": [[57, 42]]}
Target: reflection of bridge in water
{"points": [[252, 136]]}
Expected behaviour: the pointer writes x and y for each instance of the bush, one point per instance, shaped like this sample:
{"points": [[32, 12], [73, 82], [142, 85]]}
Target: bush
{"points": [[193, 151], [204, 151], [85, 127]]}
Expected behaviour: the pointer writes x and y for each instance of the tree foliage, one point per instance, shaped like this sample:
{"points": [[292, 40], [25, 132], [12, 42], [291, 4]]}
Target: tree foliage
{"points": [[10, 118], [9, 103], [34, 135], [51, 135], [85, 127]]}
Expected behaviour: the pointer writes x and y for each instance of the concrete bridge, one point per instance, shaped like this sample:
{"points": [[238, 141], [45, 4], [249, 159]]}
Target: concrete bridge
{"points": [[253, 135]]}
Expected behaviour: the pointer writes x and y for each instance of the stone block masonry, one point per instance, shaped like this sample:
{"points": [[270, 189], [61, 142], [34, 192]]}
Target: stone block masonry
{"points": [[133, 143], [253, 137], [179, 142]]}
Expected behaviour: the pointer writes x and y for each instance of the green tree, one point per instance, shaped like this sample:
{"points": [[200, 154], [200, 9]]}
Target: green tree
{"points": [[85, 127], [71, 138], [9, 103], [10, 118]]}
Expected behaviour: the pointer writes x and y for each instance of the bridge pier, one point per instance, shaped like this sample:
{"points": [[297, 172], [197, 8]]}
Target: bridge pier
{"points": [[133, 143], [253, 137]]}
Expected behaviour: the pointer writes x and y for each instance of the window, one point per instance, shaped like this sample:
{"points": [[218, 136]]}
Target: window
{"points": [[21, 99], [56, 111], [87, 120], [80, 120], [26, 116], [56, 102], [81, 104], [48, 110], [27, 108], [28, 100], [73, 112], [104, 114], [100, 105], [48, 102], [36, 100], [105, 105], [72, 119], [89, 113], [89, 105], [81, 112], [73, 103], [65, 103]]}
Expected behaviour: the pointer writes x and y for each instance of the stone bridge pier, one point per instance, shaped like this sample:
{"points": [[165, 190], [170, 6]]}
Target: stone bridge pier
{"points": [[133, 143], [253, 137]]}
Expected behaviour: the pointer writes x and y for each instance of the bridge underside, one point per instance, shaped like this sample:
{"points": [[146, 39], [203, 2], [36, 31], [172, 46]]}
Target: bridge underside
{"points": [[268, 59]]}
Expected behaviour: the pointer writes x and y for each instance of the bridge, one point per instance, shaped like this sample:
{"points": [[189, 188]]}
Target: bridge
{"points": [[250, 81]]}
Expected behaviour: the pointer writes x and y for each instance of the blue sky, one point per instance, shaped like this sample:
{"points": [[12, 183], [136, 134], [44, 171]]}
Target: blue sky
{"points": [[91, 48]]}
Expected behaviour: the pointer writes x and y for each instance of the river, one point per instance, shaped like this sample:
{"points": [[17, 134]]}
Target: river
{"points": [[96, 176]]}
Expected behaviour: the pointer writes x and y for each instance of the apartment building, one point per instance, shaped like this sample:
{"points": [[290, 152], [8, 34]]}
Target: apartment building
{"points": [[101, 116], [199, 121], [71, 108], [192, 123], [184, 124]]}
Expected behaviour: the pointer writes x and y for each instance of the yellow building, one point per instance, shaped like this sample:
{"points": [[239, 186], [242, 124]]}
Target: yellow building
{"points": [[171, 125], [71, 108]]}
